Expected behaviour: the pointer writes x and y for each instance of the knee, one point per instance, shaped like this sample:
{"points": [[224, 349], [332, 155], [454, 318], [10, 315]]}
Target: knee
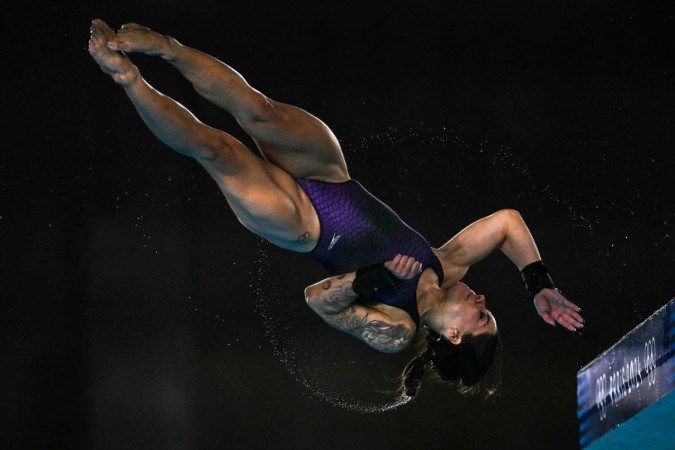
{"points": [[262, 112], [216, 149]]}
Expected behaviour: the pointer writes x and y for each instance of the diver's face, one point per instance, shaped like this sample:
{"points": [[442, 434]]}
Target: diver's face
{"points": [[465, 311]]}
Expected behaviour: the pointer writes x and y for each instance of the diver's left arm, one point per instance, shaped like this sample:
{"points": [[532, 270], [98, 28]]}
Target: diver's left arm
{"points": [[506, 230]]}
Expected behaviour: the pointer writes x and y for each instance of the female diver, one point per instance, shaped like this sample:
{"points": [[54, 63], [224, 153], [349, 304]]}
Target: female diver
{"points": [[387, 282]]}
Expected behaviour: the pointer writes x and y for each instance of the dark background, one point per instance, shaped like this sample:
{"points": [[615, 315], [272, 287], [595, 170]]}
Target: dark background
{"points": [[138, 313]]}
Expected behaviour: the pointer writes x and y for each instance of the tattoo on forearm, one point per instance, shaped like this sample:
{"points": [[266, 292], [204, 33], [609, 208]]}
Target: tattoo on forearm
{"points": [[336, 306], [383, 336], [337, 296]]}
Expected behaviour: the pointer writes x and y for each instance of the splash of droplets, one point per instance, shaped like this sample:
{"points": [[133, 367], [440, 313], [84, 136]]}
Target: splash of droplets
{"points": [[289, 353], [431, 142]]}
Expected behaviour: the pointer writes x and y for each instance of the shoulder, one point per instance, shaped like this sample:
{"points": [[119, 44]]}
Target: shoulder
{"points": [[450, 257]]}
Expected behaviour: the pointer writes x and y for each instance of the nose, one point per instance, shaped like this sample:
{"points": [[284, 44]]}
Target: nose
{"points": [[480, 299]]}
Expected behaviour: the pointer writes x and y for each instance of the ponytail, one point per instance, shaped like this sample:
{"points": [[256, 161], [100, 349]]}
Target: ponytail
{"points": [[462, 365], [413, 373]]}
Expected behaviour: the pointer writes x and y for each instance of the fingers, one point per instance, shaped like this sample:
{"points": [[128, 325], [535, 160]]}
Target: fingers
{"points": [[410, 266], [547, 318], [567, 303], [569, 324], [576, 317], [554, 308], [404, 267], [567, 320], [564, 311], [554, 294]]}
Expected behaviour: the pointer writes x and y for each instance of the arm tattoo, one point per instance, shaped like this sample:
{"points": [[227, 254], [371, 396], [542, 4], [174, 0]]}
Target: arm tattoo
{"points": [[336, 306], [338, 298], [380, 335]]}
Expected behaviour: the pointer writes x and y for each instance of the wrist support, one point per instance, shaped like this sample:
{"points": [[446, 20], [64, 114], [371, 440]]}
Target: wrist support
{"points": [[371, 279], [536, 278]]}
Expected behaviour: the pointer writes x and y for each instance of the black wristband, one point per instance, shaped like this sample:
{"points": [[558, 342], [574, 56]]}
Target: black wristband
{"points": [[536, 278], [371, 279]]}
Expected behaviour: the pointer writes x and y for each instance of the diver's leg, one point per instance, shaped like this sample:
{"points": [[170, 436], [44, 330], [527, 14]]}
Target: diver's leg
{"points": [[264, 198], [287, 136]]}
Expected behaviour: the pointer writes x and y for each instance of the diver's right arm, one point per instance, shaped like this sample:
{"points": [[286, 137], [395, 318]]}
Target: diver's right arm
{"points": [[334, 300]]}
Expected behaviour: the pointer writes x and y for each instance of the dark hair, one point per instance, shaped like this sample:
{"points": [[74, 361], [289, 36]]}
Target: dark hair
{"points": [[462, 365]]}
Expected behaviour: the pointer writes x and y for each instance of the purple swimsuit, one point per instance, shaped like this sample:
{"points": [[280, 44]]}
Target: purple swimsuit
{"points": [[357, 230]]}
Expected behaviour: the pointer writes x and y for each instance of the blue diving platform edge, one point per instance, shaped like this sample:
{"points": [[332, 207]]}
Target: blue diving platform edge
{"points": [[625, 396]]}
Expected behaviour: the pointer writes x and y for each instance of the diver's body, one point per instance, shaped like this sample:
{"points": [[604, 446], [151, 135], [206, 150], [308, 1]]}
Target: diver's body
{"points": [[270, 197], [358, 230]]}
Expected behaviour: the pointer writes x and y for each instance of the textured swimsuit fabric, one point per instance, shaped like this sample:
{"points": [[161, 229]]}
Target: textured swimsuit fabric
{"points": [[357, 230]]}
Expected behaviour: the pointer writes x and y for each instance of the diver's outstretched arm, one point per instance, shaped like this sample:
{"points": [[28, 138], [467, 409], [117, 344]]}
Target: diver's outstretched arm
{"points": [[334, 300], [506, 230]]}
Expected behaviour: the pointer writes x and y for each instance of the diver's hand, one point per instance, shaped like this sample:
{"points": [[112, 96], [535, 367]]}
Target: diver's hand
{"points": [[403, 267], [553, 307]]}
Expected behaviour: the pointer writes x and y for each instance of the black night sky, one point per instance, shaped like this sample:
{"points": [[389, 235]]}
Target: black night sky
{"points": [[138, 313]]}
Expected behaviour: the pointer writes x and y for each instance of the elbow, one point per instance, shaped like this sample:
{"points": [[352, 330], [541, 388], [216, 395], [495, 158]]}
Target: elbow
{"points": [[509, 218], [311, 299], [308, 295], [510, 214]]}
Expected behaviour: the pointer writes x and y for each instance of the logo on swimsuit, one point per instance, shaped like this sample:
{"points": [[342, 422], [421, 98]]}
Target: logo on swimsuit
{"points": [[333, 241]]}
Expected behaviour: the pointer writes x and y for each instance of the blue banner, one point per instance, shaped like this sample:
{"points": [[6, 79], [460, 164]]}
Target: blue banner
{"points": [[634, 373]]}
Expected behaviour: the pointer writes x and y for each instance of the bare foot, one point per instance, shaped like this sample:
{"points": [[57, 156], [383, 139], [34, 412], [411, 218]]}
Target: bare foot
{"points": [[115, 64], [136, 38]]}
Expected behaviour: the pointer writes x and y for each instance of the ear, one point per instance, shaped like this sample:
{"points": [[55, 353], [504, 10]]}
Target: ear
{"points": [[452, 334]]}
